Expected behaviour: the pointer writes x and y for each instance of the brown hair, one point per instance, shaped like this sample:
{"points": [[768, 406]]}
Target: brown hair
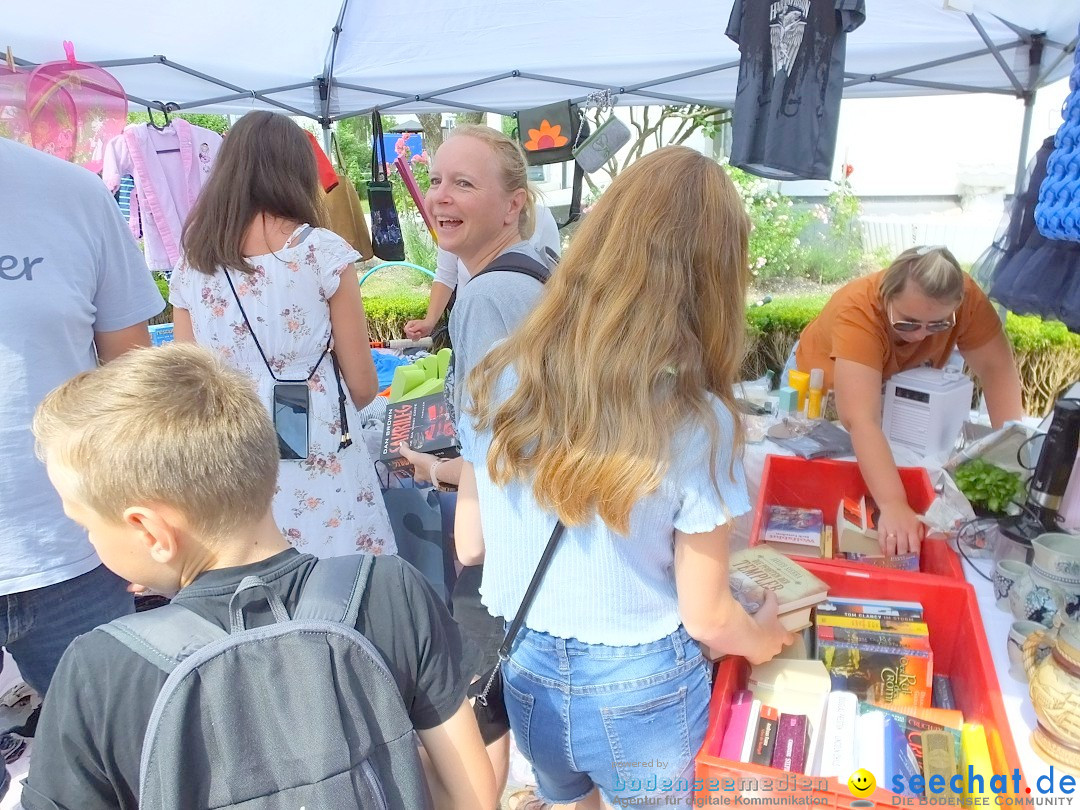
{"points": [[170, 425], [266, 166], [934, 269], [513, 167], [640, 323]]}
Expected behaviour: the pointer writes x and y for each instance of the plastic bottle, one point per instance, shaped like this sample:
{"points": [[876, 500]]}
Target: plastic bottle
{"points": [[800, 381], [816, 393]]}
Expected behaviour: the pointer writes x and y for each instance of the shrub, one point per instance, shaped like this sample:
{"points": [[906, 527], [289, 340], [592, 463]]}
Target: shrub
{"points": [[1047, 354], [387, 314]]}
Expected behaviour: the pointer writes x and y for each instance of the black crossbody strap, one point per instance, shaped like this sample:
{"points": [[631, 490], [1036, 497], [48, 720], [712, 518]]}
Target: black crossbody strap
{"points": [[258, 345], [530, 592]]}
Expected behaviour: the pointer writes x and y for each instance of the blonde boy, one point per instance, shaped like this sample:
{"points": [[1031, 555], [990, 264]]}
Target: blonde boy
{"points": [[169, 460]]}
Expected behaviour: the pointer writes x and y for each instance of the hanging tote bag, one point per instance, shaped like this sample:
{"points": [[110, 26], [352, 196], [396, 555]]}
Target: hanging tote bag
{"points": [[343, 206], [386, 237]]}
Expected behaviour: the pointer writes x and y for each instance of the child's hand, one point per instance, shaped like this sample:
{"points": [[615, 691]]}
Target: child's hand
{"points": [[774, 637]]}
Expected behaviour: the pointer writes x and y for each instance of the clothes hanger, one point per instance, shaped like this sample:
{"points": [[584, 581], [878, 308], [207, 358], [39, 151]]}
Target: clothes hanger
{"points": [[165, 112]]}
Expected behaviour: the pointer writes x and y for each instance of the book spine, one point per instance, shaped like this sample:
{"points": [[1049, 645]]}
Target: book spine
{"points": [[943, 694], [874, 623], [765, 737], [731, 745], [795, 538], [909, 611], [870, 752], [792, 741], [827, 634], [752, 720], [938, 756], [899, 758], [838, 737], [975, 759]]}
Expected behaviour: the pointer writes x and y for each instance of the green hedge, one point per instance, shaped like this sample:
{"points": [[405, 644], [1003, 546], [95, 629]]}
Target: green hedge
{"points": [[1047, 354]]}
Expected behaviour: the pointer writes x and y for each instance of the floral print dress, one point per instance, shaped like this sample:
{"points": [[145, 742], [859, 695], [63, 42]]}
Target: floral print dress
{"points": [[328, 504]]}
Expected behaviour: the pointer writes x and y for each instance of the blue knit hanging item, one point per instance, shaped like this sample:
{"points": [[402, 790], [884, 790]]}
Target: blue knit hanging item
{"points": [[1057, 213]]}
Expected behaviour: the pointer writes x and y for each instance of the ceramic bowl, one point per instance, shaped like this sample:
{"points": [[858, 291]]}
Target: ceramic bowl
{"points": [[1057, 556]]}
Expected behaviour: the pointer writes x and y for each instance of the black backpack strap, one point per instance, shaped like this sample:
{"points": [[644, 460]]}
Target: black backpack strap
{"points": [[164, 636], [334, 589], [514, 262]]}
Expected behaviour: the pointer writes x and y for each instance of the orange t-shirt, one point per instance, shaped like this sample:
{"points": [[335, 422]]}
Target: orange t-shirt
{"points": [[854, 326]]}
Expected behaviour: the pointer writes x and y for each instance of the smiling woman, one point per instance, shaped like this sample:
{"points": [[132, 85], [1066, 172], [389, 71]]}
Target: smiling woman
{"points": [[914, 313]]}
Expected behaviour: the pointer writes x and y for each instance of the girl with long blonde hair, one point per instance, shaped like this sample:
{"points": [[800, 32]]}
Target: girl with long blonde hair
{"points": [[611, 410]]}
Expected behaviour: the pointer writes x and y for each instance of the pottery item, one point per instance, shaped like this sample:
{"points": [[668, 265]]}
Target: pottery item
{"points": [[1056, 559], [1006, 572], [1018, 634], [1055, 694], [1035, 599]]}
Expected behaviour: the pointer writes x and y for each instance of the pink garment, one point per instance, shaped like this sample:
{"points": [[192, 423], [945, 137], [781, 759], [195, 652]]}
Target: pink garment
{"points": [[170, 167]]}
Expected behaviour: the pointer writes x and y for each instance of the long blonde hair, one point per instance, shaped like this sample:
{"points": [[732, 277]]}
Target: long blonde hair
{"points": [[640, 322]]}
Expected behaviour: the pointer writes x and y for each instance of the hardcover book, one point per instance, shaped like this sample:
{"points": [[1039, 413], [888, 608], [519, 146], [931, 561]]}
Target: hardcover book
{"points": [[424, 424], [732, 744], [752, 570], [752, 719], [794, 526]]}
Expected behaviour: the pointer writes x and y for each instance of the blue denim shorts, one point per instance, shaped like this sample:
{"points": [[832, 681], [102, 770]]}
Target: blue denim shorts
{"points": [[628, 720]]}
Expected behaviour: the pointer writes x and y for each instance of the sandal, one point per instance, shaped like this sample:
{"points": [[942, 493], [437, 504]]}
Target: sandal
{"points": [[526, 800]]}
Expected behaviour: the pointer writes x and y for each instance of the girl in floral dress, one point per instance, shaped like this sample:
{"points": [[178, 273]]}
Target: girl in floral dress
{"points": [[271, 292]]}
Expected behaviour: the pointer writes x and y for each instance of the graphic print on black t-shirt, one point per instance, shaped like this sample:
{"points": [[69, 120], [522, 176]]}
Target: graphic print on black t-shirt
{"points": [[791, 79], [787, 23]]}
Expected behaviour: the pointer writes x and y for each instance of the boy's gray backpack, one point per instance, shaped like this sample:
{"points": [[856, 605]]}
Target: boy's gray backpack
{"points": [[303, 713]]}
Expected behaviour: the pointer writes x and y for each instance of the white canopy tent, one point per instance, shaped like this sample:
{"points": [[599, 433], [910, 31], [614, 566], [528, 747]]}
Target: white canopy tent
{"points": [[333, 59]]}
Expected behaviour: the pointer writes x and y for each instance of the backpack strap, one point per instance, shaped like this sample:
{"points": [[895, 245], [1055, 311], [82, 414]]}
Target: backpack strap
{"points": [[176, 632], [334, 589], [514, 262]]}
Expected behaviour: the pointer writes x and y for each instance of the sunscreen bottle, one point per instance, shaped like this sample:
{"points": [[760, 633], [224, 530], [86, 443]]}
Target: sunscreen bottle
{"points": [[800, 381], [817, 391]]}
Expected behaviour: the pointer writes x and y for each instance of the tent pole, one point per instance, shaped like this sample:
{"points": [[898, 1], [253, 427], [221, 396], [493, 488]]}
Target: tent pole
{"points": [[326, 137], [1025, 137]]}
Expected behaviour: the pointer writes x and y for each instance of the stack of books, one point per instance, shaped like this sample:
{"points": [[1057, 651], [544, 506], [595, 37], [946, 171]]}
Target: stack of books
{"points": [[753, 570], [879, 650], [857, 536], [791, 717]]}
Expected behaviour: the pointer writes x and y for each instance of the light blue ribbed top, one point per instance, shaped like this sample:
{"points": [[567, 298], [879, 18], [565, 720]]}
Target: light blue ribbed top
{"points": [[602, 587]]}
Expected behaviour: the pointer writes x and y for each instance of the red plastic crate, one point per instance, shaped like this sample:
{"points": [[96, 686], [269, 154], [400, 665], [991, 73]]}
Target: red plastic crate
{"points": [[960, 650], [823, 483]]}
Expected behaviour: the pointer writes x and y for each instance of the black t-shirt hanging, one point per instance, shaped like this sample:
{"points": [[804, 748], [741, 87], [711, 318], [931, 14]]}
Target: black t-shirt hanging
{"points": [[791, 79]]}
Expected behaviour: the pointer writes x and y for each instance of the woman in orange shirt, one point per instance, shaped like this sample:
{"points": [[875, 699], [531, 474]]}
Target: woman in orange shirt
{"points": [[914, 313]]}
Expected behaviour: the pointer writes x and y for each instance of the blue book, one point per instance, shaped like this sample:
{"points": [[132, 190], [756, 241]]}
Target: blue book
{"points": [[899, 758]]}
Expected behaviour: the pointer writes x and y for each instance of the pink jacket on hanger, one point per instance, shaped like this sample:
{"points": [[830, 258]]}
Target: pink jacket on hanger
{"points": [[170, 167]]}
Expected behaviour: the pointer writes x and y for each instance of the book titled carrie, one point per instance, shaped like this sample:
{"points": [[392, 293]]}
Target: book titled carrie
{"points": [[752, 570]]}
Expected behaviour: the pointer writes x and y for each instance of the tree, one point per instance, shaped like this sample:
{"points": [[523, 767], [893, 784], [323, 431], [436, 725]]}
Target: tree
{"points": [[433, 131], [673, 125]]}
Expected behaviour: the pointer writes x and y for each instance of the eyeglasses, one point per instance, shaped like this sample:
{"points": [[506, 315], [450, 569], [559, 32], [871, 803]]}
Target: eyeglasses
{"points": [[933, 327]]}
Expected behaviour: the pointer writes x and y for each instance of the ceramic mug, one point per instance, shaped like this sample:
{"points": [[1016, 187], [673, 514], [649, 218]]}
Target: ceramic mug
{"points": [[1035, 599], [1006, 572], [1018, 634]]}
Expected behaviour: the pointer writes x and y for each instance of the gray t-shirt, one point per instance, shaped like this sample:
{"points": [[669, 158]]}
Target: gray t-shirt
{"points": [[68, 268], [791, 78], [487, 310]]}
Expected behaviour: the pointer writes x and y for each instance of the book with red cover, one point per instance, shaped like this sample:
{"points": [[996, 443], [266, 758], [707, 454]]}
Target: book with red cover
{"points": [[792, 742], [423, 423]]}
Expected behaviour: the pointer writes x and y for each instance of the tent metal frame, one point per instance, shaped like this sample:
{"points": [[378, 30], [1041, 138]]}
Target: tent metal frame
{"points": [[323, 87]]}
